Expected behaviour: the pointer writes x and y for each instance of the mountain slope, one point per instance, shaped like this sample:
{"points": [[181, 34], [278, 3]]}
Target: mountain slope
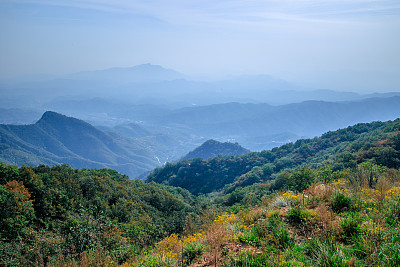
{"points": [[378, 142], [57, 139]]}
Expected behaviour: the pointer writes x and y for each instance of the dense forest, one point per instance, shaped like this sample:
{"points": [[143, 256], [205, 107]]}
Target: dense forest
{"points": [[51, 210], [333, 200]]}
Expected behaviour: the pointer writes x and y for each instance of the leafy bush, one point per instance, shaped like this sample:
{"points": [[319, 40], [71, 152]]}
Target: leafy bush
{"points": [[279, 231], [350, 227], [298, 214], [192, 251], [302, 179], [150, 261], [341, 202], [295, 215], [254, 236]]}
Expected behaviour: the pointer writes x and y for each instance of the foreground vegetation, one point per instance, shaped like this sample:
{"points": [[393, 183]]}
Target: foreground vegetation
{"points": [[351, 221], [337, 205], [50, 212]]}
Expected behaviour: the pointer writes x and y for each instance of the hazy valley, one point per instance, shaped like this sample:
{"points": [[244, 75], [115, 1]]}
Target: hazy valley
{"points": [[144, 167]]}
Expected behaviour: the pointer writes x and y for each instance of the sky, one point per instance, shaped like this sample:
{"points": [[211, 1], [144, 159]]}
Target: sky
{"points": [[330, 44]]}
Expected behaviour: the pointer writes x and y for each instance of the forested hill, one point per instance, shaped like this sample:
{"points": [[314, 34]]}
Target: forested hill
{"points": [[213, 148], [46, 211], [58, 139], [378, 142]]}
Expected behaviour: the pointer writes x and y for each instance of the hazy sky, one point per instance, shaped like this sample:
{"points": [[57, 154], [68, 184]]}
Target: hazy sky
{"points": [[340, 44]]}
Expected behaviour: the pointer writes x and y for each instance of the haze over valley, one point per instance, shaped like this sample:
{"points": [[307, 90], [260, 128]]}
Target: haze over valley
{"points": [[166, 114], [135, 138], [158, 115]]}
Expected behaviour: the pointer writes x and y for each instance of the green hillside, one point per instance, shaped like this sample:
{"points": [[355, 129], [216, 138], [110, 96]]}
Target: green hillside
{"points": [[377, 142]]}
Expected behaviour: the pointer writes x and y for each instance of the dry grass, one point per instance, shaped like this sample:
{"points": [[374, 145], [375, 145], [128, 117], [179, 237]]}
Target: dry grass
{"points": [[99, 258]]}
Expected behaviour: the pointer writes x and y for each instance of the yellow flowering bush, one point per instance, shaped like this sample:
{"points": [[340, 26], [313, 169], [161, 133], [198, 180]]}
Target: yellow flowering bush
{"points": [[225, 218], [169, 248], [339, 185], [291, 196], [370, 193], [393, 192], [372, 228], [192, 239]]}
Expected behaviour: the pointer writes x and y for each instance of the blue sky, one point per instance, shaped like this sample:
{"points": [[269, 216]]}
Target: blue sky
{"points": [[337, 44]]}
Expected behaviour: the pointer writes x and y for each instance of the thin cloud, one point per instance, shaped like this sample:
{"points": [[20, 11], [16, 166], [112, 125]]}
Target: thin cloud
{"points": [[231, 10]]}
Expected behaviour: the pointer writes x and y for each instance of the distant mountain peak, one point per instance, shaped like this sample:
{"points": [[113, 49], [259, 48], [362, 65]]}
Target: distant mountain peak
{"points": [[50, 116], [56, 120], [140, 73], [148, 65], [212, 148]]}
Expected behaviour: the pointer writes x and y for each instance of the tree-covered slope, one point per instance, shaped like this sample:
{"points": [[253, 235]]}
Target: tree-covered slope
{"points": [[49, 211], [213, 148], [377, 142], [58, 139]]}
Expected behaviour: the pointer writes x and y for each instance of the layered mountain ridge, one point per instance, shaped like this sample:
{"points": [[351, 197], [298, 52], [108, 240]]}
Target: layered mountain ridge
{"points": [[58, 139]]}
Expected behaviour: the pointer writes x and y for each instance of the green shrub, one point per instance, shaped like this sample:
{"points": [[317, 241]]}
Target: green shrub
{"points": [[10, 254], [191, 252], [254, 236], [299, 214], [236, 208], [295, 256], [341, 202], [350, 227], [150, 261], [392, 255], [273, 231], [295, 215], [279, 231]]}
